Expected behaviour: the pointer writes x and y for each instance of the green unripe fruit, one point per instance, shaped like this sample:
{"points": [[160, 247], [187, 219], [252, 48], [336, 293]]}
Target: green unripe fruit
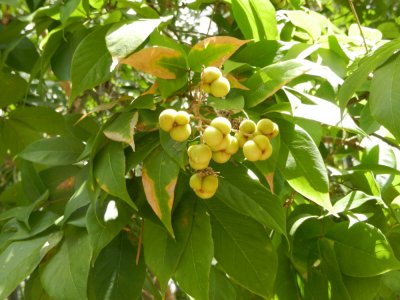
{"points": [[212, 136], [204, 186], [247, 126], [167, 119], [182, 118], [251, 151], [180, 133], [222, 124], [221, 157], [220, 87], [211, 74]]}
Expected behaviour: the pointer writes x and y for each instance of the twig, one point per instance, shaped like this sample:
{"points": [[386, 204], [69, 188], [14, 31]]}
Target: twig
{"points": [[353, 10]]}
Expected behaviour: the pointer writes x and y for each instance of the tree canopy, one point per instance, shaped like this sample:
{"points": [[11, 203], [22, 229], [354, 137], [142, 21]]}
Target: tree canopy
{"points": [[228, 149]]}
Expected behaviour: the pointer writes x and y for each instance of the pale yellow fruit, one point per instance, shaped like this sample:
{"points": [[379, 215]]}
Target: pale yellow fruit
{"points": [[197, 166], [222, 124], [221, 157], [222, 145], [211, 74], [251, 151], [210, 184], [204, 186], [220, 87], [265, 126], [167, 119], [206, 88], [182, 118], [241, 138], [180, 133], [212, 136], [196, 181], [200, 154], [264, 145], [233, 146], [247, 126]]}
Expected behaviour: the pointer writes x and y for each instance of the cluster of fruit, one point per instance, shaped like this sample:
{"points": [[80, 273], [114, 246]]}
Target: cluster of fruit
{"points": [[214, 83], [217, 143]]}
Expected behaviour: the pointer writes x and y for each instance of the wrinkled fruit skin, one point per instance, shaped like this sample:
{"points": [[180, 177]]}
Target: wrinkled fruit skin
{"points": [[259, 148], [210, 74], [176, 123], [199, 156], [214, 83], [204, 186]]}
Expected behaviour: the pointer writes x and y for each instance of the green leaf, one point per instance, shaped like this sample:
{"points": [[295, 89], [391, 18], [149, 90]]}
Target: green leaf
{"points": [[362, 250], [104, 222], [91, 62], [159, 175], [23, 56], [161, 251], [144, 146], [243, 249], [109, 171], [122, 128], [124, 38], [20, 258], [33, 289], [306, 20], [168, 87], [366, 66], [233, 101], [116, 275], [81, 197], [363, 288], [220, 286], [265, 15], [384, 100], [67, 8], [213, 51], [13, 88], [302, 165], [353, 200], [40, 118], [193, 271], [39, 222], [58, 151], [65, 275], [248, 197], [176, 150], [246, 19]]}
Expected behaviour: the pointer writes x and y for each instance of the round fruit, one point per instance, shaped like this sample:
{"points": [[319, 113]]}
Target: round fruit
{"points": [[221, 157], [251, 151], [247, 126], [206, 88], [222, 145], [266, 127], [222, 124], [182, 118], [233, 146], [220, 87], [264, 145], [211, 74], [204, 186], [241, 138], [180, 133], [212, 136], [200, 154], [167, 119]]}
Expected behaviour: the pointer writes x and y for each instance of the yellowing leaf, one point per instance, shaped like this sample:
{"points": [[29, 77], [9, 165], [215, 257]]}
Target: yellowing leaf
{"points": [[235, 83], [159, 175], [161, 62], [213, 51]]}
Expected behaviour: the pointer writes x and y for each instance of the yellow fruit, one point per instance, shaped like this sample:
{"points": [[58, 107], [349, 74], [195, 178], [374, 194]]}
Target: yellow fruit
{"points": [[220, 87], [206, 88], [180, 133], [222, 145], [167, 119], [197, 166], [264, 145], [266, 127], [182, 118], [212, 136], [233, 146], [222, 124], [221, 157], [251, 151], [247, 126], [241, 138], [211, 74], [204, 186], [200, 154]]}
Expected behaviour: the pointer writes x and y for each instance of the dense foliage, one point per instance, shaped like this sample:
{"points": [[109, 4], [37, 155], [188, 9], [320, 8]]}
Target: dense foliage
{"points": [[98, 202]]}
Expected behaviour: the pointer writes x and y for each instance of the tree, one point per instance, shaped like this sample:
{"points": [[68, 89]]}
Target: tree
{"points": [[218, 149]]}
